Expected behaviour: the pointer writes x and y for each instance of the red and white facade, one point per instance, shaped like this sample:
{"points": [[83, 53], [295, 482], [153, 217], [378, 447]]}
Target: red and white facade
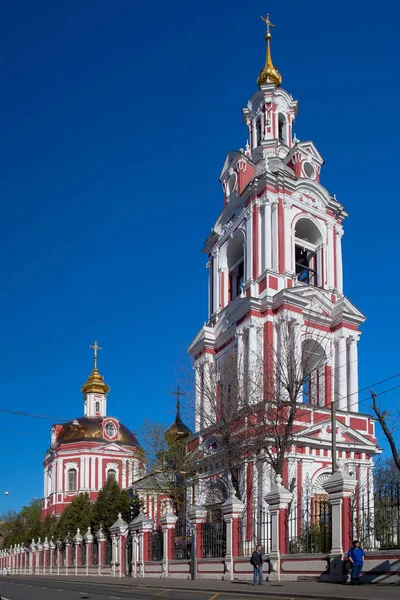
{"points": [[88, 450], [276, 249]]}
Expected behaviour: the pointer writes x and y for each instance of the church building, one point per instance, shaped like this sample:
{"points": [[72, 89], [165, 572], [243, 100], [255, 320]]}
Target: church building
{"points": [[274, 258], [88, 450]]}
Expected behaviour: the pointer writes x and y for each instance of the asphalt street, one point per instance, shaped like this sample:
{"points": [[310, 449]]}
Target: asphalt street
{"points": [[16, 589]]}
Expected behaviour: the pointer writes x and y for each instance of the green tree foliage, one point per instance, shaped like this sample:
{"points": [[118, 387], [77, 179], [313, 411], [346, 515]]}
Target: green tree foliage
{"points": [[111, 501], [78, 515], [22, 527]]}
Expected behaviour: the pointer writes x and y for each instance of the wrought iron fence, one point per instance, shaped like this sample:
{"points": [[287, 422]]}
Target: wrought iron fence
{"points": [[213, 539], [83, 552], [375, 517], [128, 554], [255, 531], [108, 551], [155, 550], [182, 540], [95, 550], [308, 525]]}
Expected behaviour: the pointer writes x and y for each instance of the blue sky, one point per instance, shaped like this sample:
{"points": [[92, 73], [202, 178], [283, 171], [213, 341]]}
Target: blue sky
{"points": [[115, 121]]}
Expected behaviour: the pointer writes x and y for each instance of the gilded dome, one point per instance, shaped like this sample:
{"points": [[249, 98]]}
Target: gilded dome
{"points": [[178, 429], [93, 429]]}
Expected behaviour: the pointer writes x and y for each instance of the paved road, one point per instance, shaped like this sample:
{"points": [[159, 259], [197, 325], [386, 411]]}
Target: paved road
{"points": [[17, 589]]}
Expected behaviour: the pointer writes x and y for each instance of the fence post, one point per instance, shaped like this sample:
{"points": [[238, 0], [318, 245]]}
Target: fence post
{"points": [[101, 549], [118, 535], [51, 555], [168, 522], [88, 537], [45, 555], [339, 488], [67, 559], [278, 499], [32, 551], [232, 510], [143, 526], [77, 547], [197, 516]]}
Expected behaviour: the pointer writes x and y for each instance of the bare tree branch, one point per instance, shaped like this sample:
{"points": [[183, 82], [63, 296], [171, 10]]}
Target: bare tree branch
{"points": [[382, 418]]}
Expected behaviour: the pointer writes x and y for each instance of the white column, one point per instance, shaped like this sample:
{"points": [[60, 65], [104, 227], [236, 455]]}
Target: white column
{"points": [[267, 242], [249, 247], [342, 373], [100, 473], [130, 473], [240, 365], [215, 281], [207, 414], [225, 285], [288, 235], [198, 397], [353, 375], [45, 487], [274, 235], [92, 483], [208, 265], [86, 472], [339, 264], [331, 256], [59, 475], [254, 374]]}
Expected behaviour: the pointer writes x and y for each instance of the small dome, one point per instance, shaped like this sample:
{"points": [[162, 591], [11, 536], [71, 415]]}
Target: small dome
{"points": [[85, 429], [178, 429]]}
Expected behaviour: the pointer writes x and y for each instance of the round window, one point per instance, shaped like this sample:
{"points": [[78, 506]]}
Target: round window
{"points": [[309, 170]]}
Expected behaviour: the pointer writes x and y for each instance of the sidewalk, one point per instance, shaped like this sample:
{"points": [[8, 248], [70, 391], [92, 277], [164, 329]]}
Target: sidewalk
{"points": [[293, 590]]}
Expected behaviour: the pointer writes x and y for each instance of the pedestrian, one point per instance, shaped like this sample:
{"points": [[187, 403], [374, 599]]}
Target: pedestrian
{"points": [[257, 562], [356, 557]]}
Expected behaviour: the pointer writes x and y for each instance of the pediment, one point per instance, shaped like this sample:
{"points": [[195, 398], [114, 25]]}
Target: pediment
{"points": [[344, 310], [114, 448], [344, 435], [231, 161], [310, 152]]}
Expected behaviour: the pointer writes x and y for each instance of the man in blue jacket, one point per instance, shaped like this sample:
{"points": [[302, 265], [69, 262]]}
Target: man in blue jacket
{"points": [[356, 557]]}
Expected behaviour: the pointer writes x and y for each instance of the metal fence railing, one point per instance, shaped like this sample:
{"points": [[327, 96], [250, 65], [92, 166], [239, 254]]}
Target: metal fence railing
{"points": [[254, 530], [182, 540], [308, 525], [155, 550], [213, 539]]}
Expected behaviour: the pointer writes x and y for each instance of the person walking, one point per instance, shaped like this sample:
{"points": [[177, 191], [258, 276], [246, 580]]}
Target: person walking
{"points": [[356, 557], [257, 562]]}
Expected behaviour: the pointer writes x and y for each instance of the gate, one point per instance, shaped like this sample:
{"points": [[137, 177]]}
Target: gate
{"points": [[156, 545], [182, 540], [308, 524], [255, 532], [213, 539]]}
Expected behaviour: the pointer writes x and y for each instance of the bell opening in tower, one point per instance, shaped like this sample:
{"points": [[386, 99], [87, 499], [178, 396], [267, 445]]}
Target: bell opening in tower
{"points": [[308, 245], [306, 266]]}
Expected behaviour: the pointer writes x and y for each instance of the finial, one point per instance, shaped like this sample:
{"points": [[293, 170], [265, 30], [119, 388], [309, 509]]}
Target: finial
{"points": [[269, 74], [119, 515], [95, 348], [178, 395]]}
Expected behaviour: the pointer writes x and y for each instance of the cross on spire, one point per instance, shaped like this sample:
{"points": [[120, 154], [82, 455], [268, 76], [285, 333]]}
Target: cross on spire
{"points": [[95, 348], [267, 22], [178, 395]]}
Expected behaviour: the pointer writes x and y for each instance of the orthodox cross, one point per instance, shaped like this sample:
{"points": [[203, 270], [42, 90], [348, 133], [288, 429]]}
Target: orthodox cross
{"points": [[267, 22], [178, 395], [95, 348]]}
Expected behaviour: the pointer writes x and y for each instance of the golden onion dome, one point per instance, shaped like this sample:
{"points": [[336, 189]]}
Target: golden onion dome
{"points": [[95, 384], [178, 430], [269, 74], [90, 429]]}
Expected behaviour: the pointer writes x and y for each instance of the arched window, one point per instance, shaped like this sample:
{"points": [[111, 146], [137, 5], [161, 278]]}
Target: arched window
{"points": [[72, 480], [313, 373], [308, 243], [282, 129], [112, 474], [235, 259], [258, 130], [97, 407]]}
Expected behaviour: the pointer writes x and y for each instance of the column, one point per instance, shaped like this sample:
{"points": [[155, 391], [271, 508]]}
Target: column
{"points": [[241, 366], [248, 243], [92, 482], [339, 264], [288, 235], [168, 522], [254, 368], [51, 556], [99, 472], [101, 545], [207, 416], [118, 535], [87, 458], [46, 555], [353, 374], [215, 255], [342, 373], [198, 397], [32, 560], [77, 550], [278, 499], [59, 475], [267, 243], [88, 537]]}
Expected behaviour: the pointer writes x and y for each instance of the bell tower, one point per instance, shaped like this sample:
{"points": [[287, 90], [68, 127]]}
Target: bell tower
{"points": [[276, 246]]}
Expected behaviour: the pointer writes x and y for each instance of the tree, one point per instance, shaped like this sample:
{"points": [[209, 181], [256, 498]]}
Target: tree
{"points": [[22, 527], [169, 462], [111, 501], [384, 419], [250, 400], [77, 515]]}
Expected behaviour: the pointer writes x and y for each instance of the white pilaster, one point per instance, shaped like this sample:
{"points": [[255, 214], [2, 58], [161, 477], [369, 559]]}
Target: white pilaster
{"points": [[274, 236], [353, 375], [342, 373], [249, 247], [339, 264], [331, 256], [92, 485], [267, 242], [100, 473], [215, 280], [198, 397], [288, 235]]}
